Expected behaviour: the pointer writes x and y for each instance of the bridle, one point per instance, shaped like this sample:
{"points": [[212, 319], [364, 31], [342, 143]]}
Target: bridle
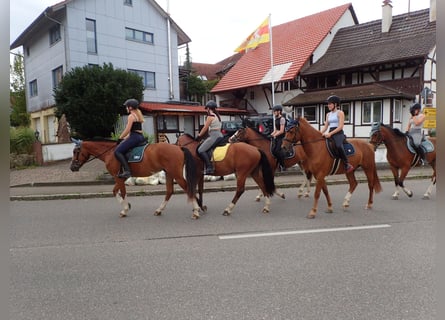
{"points": [[236, 137], [379, 138], [76, 163]]}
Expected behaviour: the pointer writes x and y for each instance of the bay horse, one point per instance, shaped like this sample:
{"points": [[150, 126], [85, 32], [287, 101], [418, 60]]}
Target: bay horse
{"points": [[242, 159], [400, 158], [256, 139], [156, 157], [321, 164]]}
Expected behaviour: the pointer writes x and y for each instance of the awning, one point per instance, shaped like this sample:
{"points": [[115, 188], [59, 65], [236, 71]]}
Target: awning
{"points": [[184, 109]]}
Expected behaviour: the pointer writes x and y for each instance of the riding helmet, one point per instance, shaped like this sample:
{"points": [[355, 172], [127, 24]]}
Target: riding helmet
{"points": [[414, 107], [334, 99], [211, 105], [277, 108], [132, 103]]}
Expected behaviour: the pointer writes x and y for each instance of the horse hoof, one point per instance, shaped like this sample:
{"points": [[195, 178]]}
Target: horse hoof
{"points": [[226, 213], [204, 208], [368, 207], [410, 195], [329, 210], [283, 196], [426, 197], [257, 199], [123, 215], [395, 198], [157, 213], [265, 210], [311, 216], [195, 216]]}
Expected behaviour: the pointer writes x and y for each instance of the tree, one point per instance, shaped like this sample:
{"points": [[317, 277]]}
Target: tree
{"points": [[18, 117], [91, 98]]}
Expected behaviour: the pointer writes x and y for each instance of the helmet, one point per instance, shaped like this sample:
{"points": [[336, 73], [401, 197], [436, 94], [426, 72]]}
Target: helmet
{"points": [[132, 103], [414, 107], [211, 105], [334, 99], [277, 108]]}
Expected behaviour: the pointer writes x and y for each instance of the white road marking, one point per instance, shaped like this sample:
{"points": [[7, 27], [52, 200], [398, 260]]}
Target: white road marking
{"points": [[285, 233]]}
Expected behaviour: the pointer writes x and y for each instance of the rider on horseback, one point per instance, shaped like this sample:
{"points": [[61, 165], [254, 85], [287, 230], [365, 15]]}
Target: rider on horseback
{"points": [[132, 136], [278, 134], [213, 127], [335, 121], [414, 129]]}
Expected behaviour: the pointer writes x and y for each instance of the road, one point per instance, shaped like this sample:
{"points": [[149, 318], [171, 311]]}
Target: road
{"points": [[76, 259]]}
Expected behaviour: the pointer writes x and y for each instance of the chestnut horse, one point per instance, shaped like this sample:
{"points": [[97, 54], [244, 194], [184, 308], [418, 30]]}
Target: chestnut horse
{"points": [[156, 157], [256, 139], [400, 158], [322, 164], [242, 159]]}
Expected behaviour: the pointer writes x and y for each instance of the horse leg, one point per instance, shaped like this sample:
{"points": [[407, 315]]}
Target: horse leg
{"points": [[306, 183], [329, 209], [257, 178], [169, 184], [200, 198], [120, 193], [352, 186], [240, 187], [395, 173], [183, 184], [321, 185], [427, 194], [403, 174]]}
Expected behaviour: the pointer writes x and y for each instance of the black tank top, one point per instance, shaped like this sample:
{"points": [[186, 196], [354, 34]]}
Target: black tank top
{"points": [[136, 126]]}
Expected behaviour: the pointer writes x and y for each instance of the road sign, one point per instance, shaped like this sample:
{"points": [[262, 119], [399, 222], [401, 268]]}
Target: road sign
{"points": [[430, 118]]}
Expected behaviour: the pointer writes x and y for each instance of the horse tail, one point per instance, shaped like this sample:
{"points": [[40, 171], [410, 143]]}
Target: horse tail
{"points": [[190, 173], [268, 176], [377, 185]]}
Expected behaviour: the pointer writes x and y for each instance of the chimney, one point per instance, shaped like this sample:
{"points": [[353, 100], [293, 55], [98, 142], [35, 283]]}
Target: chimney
{"points": [[387, 15], [432, 10]]}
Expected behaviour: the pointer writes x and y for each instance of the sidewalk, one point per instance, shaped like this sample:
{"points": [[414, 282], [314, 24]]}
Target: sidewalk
{"points": [[56, 181]]}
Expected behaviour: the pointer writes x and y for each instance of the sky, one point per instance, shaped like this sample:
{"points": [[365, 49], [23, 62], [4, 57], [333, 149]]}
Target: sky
{"points": [[217, 28]]}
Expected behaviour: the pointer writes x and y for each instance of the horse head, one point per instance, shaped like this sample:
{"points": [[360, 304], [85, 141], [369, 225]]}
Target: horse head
{"points": [[375, 136], [292, 135], [77, 160], [238, 136], [184, 139]]}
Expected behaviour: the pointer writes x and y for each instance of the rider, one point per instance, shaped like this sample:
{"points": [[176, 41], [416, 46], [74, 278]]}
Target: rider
{"points": [[132, 135], [277, 134], [335, 119], [213, 127], [414, 128]]}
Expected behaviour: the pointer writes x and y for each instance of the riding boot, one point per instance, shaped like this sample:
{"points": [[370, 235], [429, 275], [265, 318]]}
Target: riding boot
{"points": [[126, 168], [208, 164], [348, 167], [421, 153]]}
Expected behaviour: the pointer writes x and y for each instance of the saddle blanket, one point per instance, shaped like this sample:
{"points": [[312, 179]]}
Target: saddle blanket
{"points": [[137, 153], [220, 152]]}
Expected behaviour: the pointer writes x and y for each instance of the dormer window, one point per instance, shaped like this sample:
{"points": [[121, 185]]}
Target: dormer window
{"points": [[54, 34]]}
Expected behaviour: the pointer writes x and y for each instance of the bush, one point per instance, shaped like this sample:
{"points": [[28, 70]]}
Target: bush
{"points": [[21, 140]]}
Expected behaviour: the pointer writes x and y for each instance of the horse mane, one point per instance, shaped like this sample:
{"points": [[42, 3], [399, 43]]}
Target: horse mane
{"points": [[100, 139], [396, 131], [188, 135]]}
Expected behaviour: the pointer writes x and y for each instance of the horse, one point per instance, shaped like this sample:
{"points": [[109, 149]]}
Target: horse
{"points": [[400, 158], [322, 164], [156, 157], [242, 159], [255, 138]]}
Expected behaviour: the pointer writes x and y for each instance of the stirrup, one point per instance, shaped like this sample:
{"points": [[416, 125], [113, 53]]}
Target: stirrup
{"points": [[209, 171], [349, 168], [124, 175]]}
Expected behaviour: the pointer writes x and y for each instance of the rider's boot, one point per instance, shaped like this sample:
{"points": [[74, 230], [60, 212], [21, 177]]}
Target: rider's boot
{"points": [[209, 170], [126, 168]]}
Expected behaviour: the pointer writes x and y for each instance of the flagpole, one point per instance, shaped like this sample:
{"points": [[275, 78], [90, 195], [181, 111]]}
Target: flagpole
{"points": [[271, 59]]}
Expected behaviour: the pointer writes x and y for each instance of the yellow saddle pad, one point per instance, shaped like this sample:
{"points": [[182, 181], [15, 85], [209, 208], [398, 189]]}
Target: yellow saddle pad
{"points": [[220, 152]]}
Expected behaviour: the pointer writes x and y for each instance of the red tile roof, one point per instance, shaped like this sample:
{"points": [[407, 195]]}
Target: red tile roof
{"points": [[178, 108], [293, 44]]}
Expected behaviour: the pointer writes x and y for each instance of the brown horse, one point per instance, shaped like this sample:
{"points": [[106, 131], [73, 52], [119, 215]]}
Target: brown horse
{"points": [[156, 157], [242, 159], [400, 158], [322, 164], [256, 139]]}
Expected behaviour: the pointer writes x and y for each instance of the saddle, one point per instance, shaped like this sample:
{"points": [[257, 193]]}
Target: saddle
{"points": [[332, 149], [218, 150], [136, 154]]}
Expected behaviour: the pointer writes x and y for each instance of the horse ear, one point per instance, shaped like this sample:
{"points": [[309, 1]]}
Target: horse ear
{"points": [[77, 142]]}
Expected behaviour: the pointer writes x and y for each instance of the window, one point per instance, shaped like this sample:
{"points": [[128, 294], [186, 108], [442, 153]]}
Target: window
{"points": [[136, 35], [346, 108], [397, 112], [372, 112], [148, 78], [309, 113], [91, 36], [57, 76], [54, 34], [128, 2], [168, 124], [33, 88]]}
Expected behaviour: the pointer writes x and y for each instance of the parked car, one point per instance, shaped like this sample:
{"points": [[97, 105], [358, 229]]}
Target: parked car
{"points": [[263, 123], [228, 128]]}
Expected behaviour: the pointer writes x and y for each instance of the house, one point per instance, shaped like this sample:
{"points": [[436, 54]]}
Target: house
{"points": [[295, 45], [378, 69], [137, 36]]}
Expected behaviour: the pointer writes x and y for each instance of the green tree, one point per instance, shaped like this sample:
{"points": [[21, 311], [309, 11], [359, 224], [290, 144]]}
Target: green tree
{"points": [[18, 117], [91, 98]]}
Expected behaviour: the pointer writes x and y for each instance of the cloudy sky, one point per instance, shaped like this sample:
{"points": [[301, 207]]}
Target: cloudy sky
{"points": [[218, 27]]}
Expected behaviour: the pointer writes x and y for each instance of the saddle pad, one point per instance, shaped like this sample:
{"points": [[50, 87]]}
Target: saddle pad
{"points": [[137, 153], [426, 144], [220, 152], [348, 147]]}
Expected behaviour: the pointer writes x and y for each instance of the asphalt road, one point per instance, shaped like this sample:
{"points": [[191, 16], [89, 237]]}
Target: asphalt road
{"points": [[76, 259]]}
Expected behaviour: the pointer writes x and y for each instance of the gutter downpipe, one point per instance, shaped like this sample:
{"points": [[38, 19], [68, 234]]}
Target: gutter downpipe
{"points": [[170, 68]]}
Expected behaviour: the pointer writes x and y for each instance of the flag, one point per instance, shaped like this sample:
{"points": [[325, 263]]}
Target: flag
{"points": [[260, 35]]}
